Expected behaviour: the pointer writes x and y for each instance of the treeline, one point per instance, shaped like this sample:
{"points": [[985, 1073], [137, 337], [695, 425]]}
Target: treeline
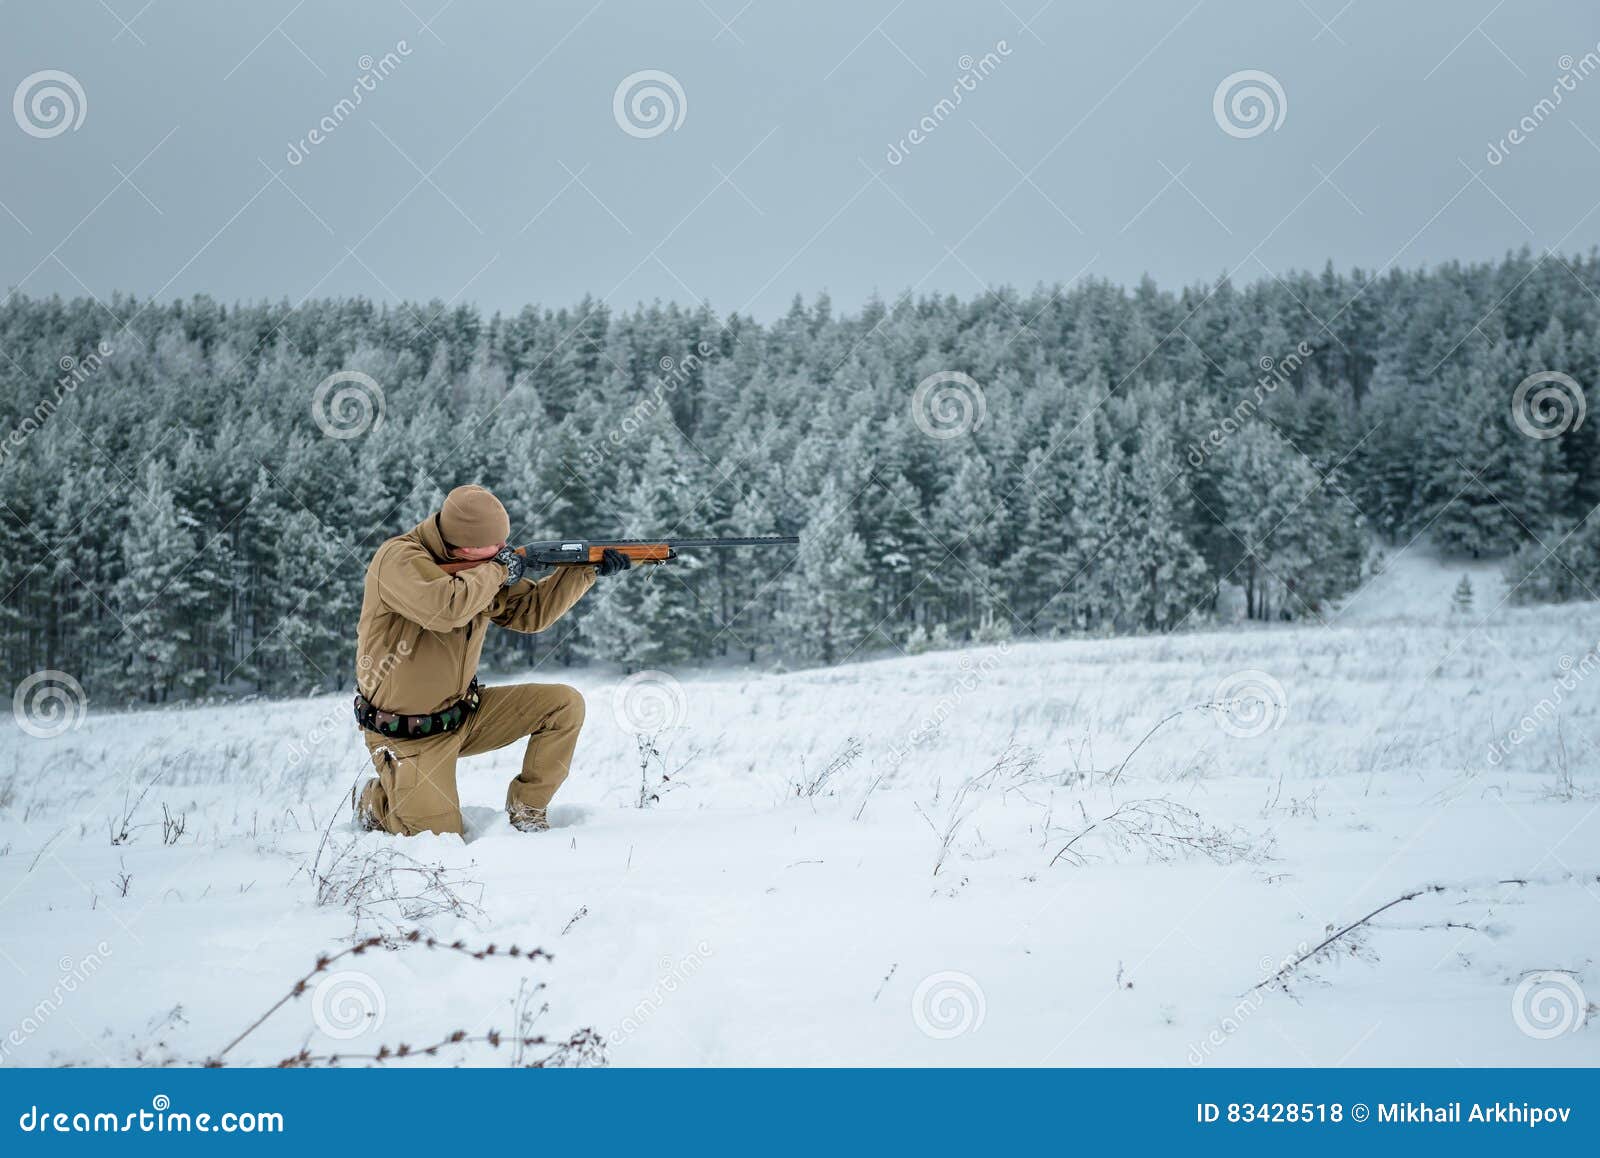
{"points": [[187, 502]]}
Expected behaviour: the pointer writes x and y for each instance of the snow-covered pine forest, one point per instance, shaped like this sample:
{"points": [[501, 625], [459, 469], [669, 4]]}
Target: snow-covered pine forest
{"points": [[187, 501]]}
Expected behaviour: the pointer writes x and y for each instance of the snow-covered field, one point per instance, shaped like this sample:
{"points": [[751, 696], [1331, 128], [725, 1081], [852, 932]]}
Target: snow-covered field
{"points": [[957, 858]]}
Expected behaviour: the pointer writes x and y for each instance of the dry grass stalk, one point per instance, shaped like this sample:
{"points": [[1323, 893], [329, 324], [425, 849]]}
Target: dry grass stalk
{"points": [[1349, 935], [412, 938]]}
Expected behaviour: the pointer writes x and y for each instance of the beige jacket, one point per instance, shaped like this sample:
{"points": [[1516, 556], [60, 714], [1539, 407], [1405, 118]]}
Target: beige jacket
{"points": [[421, 631]]}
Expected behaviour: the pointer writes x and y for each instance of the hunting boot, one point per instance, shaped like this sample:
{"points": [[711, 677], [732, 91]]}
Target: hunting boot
{"points": [[525, 818], [366, 812]]}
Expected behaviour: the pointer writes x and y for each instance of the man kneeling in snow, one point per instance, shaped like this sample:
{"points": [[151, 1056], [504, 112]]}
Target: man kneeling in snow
{"points": [[418, 643]]}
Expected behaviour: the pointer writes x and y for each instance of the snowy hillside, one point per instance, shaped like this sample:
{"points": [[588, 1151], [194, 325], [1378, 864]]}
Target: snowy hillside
{"points": [[1000, 855]]}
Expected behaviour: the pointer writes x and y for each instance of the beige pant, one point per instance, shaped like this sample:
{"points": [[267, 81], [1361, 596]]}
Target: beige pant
{"points": [[416, 786]]}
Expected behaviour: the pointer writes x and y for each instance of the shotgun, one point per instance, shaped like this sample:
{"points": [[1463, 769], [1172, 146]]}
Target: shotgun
{"points": [[586, 552]]}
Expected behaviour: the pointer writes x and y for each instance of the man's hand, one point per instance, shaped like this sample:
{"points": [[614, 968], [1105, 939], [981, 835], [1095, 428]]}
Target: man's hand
{"points": [[612, 561], [514, 564]]}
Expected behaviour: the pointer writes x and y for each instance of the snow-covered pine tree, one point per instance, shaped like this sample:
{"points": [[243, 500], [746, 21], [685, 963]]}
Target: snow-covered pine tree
{"points": [[1173, 581], [314, 594], [167, 577], [828, 603], [655, 618]]}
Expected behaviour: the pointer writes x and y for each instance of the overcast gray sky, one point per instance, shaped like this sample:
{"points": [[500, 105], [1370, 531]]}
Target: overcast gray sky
{"points": [[490, 164]]}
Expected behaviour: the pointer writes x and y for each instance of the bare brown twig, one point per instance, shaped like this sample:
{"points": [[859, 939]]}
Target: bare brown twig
{"points": [[414, 937], [584, 1046]]}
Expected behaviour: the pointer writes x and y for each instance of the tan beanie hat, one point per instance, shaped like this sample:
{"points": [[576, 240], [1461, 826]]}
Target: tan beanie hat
{"points": [[472, 517]]}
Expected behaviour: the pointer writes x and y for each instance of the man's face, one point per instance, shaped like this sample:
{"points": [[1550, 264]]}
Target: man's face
{"points": [[476, 554]]}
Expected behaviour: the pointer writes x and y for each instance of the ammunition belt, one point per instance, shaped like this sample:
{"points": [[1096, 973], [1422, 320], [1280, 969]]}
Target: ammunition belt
{"points": [[403, 727]]}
